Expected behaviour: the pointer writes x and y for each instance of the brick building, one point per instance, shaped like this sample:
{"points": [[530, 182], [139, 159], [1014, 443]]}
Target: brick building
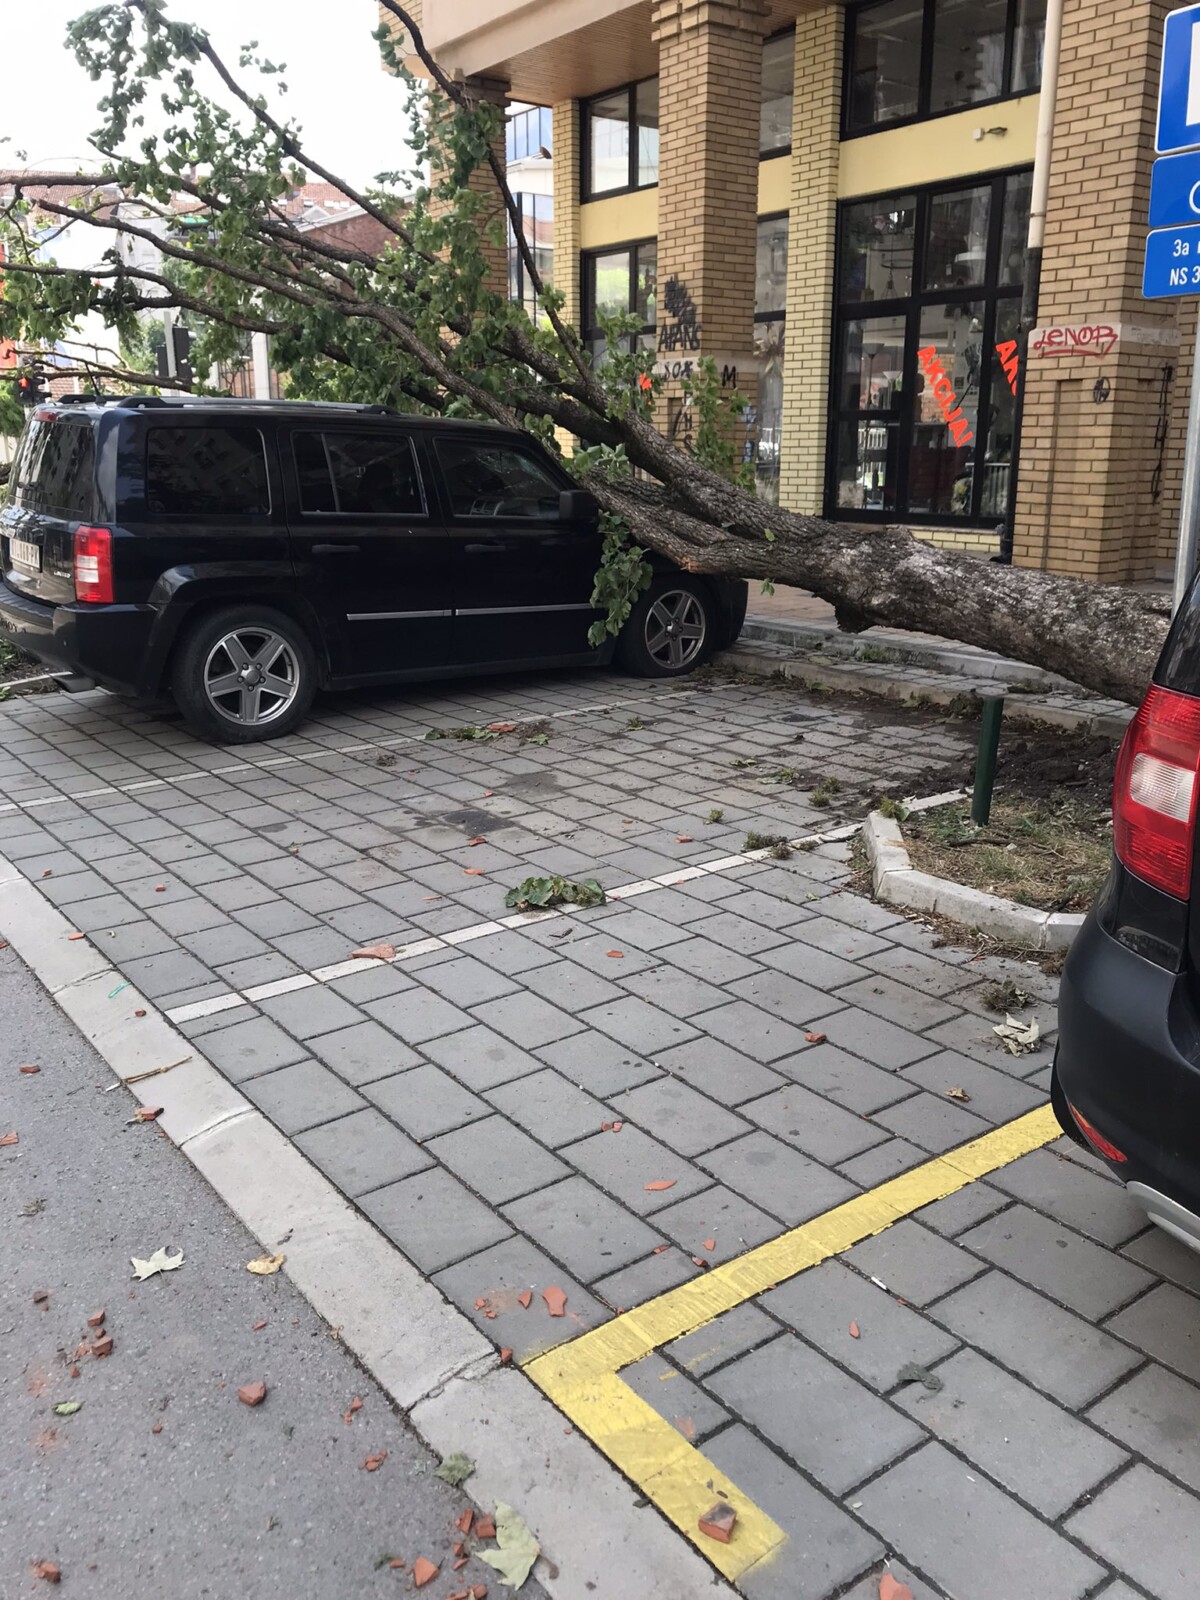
{"points": [[832, 200]]}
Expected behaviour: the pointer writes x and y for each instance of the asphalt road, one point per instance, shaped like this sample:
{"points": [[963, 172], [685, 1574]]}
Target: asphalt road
{"points": [[163, 1482]]}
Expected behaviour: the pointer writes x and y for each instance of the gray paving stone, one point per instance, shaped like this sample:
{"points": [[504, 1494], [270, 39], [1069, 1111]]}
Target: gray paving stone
{"points": [[716, 1070], [644, 1280], [820, 1305], [1053, 1349], [629, 925], [859, 912], [897, 1003], [570, 984], [434, 1219], [868, 1589], [738, 933], [497, 1276], [480, 1058], [163, 975], [677, 992], [917, 971], [852, 1083], [530, 1021], [830, 1425], [133, 939], [624, 1163], [684, 1119], [995, 1096], [1093, 1204], [497, 1159], [826, 1547], [1157, 1414], [544, 1100], [745, 1027], [931, 1122], [811, 966], [958, 1212], [301, 1096], [512, 952], [871, 1037], [583, 1228], [732, 1223], [1166, 1257], [1148, 1528], [713, 962], [362, 1152], [813, 1124], [972, 1036], [729, 1336], [782, 995], [363, 1053], [914, 1262], [426, 1101], [772, 910], [1043, 1454], [836, 938], [638, 1025], [598, 1064], [974, 1540], [777, 1177], [248, 1049], [676, 1398], [375, 983], [306, 1013], [465, 982], [1058, 1261], [1165, 1324], [417, 1015]]}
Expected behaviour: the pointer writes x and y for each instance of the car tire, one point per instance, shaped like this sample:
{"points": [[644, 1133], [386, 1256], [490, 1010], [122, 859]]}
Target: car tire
{"points": [[244, 673], [671, 630]]}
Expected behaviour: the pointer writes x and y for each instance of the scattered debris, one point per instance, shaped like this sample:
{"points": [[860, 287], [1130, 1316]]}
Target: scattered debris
{"points": [[716, 815], [147, 1114], [1019, 1038], [77, 936], [68, 1408], [464, 1521], [354, 1406], [855, 1331], [9, 1138], [1004, 997], [139, 1013], [525, 1298], [541, 893], [710, 1245], [518, 1549], [913, 1372], [265, 1266], [49, 1571], [815, 1038], [555, 1299], [374, 952], [29, 1070], [252, 1394], [40, 1296], [718, 1522], [890, 1589], [485, 1528], [152, 1072], [456, 1469], [257, 1327], [96, 1320], [615, 955], [474, 872], [373, 1463], [102, 1346], [478, 839], [658, 1184], [684, 838], [958, 1094], [776, 844], [505, 1355], [160, 1261], [424, 1571]]}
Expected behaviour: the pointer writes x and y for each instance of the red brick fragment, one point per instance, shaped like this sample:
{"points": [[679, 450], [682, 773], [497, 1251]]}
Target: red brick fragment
{"points": [[29, 1070], [48, 1570], [424, 1571], [479, 1592], [657, 1185], [710, 1245], [74, 1371], [252, 1394], [102, 1346], [96, 1320], [891, 1589], [854, 1331], [555, 1299], [718, 1523], [40, 1295], [257, 1327], [525, 1298], [373, 1463], [815, 1038], [485, 1527], [157, 1428], [463, 1523], [397, 1564], [505, 1356]]}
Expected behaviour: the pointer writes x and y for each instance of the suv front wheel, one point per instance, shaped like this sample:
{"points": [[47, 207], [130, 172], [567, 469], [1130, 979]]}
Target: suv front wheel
{"points": [[671, 630], [244, 673]]}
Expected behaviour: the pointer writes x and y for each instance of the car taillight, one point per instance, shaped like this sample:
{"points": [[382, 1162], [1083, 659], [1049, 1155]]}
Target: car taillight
{"points": [[93, 565], [1096, 1139], [1155, 791]]}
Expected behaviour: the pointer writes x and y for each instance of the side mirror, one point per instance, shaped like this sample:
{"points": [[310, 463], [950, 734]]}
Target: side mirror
{"points": [[577, 505]]}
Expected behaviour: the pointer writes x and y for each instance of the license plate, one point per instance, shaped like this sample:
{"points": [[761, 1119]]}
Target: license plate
{"points": [[25, 554]]}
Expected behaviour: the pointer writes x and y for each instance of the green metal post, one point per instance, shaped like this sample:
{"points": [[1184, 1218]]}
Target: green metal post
{"points": [[985, 764]]}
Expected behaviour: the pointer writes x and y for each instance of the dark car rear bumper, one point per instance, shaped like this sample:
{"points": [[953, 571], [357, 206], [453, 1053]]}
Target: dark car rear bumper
{"points": [[107, 643], [1129, 1061]]}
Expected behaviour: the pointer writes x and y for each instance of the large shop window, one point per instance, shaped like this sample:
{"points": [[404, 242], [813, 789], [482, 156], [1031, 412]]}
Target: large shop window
{"points": [[770, 308], [621, 279], [620, 140], [536, 212], [929, 292], [778, 77], [907, 59]]}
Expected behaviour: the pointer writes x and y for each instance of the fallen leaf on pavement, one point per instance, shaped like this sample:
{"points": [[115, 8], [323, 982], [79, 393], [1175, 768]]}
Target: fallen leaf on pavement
{"points": [[49, 1570], [912, 1372], [252, 1394], [373, 1463], [526, 1298], [518, 1549], [1018, 1038], [9, 1138], [374, 952], [160, 1261], [455, 1469], [147, 1113], [855, 1333], [658, 1184], [68, 1408], [29, 1071], [555, 1300], [710, 1245], [958, 1094], [889, 1589], [424, 1571], [264, 1266], [815, 1038]]}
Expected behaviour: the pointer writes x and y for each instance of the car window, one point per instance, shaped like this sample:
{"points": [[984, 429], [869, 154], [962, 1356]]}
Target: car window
{"points": [[496, 480], [365, 475], [206, 472], [55, 470]]}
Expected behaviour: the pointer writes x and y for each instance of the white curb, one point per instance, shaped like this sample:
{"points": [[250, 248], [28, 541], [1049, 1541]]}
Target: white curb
{"points": [[896, 882], [429, 1357]]}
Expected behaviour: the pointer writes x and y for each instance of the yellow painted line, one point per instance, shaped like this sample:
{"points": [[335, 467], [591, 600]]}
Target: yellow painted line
{"points": [[581, 1376]]}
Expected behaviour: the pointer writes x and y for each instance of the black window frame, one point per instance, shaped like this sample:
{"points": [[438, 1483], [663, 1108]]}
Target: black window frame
{"points": [[516, 261], [326, 431], [529, 452], [784, 149], [586, 192], [992, 292], [210, 423], [925, 79], [588, 327]]}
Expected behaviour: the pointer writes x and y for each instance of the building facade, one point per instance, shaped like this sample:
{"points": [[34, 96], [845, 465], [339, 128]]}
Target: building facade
{"points": [[832, 201]]}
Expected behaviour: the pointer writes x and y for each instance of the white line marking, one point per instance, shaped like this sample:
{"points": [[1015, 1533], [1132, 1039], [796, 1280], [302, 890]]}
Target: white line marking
{"points": [[268, 991]]}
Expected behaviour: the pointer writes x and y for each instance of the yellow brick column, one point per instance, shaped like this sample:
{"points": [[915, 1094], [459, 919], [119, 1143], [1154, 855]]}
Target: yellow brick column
{"points": [[710, 90], [566, 208], [812, 227]]}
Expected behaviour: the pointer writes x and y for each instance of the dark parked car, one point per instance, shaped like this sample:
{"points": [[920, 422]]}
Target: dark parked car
{"points": [[240, 555], [1127, 1072]]}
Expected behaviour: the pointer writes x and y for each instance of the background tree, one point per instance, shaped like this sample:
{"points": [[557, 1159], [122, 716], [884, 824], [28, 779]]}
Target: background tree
{"points": [[419, 327]]}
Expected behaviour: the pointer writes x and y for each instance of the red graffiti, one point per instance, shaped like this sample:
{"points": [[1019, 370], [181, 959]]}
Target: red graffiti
{"points": [[943, 392], [1009, 361], [1092, 339]]}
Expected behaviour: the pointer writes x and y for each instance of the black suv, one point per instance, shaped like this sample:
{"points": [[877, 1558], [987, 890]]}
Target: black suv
{"points": [[240, 555]]}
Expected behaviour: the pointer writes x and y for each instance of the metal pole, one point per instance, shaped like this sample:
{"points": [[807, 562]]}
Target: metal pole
{"points": [[1189, 498], [985, 762]]}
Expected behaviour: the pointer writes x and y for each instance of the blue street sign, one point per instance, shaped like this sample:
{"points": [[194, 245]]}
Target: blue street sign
{"points": [[1179, 90], [1175, 190], [1172, 263]]}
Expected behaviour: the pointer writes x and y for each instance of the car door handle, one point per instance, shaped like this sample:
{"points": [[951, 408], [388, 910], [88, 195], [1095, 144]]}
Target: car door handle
{"points": [[335, 549], [485, 549]]}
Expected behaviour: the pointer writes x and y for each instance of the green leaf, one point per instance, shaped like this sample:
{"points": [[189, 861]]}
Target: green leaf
{"points": [[517, 1551], [68, 1408], [456, 1469], [540, 893]]}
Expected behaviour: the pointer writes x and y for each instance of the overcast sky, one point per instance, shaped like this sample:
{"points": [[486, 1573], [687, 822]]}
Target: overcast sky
{"points": [[351, 111]]}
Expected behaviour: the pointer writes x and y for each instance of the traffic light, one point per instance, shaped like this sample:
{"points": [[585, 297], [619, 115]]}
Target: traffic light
{"points": [[181, 344], [31, 387]]}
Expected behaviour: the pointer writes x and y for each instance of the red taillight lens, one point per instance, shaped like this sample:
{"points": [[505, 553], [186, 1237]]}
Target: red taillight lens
{"points": [[1155, 791], [1096, 1139], [93, 565]]}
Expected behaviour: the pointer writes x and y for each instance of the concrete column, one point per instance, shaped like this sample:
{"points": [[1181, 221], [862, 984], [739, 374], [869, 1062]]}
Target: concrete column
{"points": [[566, 208], [710, 85], [812, 232], [1087, 501]]}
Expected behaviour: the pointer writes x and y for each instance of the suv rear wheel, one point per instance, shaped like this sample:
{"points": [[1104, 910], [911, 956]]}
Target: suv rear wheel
{"points": [[671, 630], [244, 673]]}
